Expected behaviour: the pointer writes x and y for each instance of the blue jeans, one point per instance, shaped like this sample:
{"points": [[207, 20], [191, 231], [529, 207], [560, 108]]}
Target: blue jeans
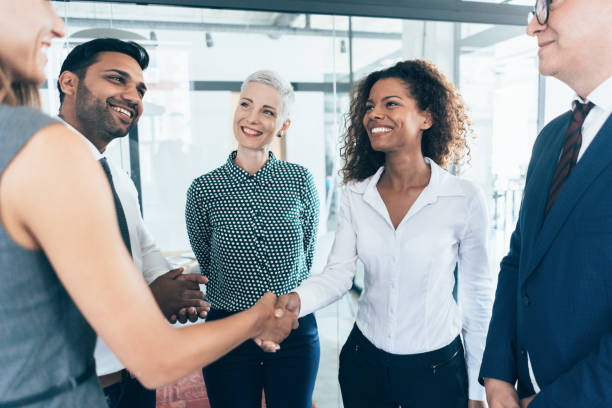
{"points": [[287, 377], [370, 377]]}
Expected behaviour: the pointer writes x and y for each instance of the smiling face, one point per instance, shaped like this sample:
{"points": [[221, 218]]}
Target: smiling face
{"points": [[575, 42], [26, 30], [108, 101], [392, 119], [258, 116]]}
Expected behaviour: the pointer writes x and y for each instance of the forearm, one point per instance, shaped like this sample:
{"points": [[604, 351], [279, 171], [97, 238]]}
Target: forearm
{"points": [[126, 316], [154, 264], [475, 289], [175, 352], [476, 300], [321, 290], [499, 360]]}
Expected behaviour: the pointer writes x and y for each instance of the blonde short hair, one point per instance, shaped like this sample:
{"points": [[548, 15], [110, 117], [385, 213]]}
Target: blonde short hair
{"points": [[284, 88]]}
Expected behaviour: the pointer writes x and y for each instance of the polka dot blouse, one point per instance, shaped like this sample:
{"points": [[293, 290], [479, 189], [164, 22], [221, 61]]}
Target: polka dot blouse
{"points": [[252, 233]]}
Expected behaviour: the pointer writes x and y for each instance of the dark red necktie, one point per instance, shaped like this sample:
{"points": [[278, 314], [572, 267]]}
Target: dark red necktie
{"points": [[571, 148]]}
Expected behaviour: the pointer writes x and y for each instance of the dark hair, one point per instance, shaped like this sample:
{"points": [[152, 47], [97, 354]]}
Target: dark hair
{"points": [[444, 142], [86, 54]]}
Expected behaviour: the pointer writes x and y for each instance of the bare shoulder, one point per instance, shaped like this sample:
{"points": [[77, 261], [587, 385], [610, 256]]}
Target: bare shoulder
{"points": [[56, 141], [50, 167]]}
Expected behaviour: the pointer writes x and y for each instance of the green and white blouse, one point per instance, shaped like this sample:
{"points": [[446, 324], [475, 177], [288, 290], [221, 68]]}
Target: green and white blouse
{"points": [[252, 233]]}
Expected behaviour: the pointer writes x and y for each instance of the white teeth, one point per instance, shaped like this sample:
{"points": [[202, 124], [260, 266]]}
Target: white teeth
{"points": [[124, 111], [250, 132], [380, 130]]}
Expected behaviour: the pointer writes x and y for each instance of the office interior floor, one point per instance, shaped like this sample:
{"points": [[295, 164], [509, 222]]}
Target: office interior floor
{"points": [[335, 323]]}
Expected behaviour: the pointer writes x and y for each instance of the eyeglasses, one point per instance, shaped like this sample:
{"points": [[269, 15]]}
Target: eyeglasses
{"points": [[540, 11]]}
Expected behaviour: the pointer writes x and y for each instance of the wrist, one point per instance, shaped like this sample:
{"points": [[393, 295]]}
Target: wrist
{"points": [[257, 317], [297, 301]]}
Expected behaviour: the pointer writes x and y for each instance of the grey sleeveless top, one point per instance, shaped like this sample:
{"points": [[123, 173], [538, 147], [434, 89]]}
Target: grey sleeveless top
{"points": [[46, 346]]}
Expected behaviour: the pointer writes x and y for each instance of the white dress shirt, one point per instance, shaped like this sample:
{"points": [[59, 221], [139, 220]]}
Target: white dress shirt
{"points": [[407, 306], [602, 99], [147, 257]]}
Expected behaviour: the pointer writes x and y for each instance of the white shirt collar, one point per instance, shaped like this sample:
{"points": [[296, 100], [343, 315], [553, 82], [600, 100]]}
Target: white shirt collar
{"points": [[440, 184], [600, 96], [94, 150]]}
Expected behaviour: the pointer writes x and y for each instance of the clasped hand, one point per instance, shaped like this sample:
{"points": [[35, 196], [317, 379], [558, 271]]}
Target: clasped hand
{"points": [[179, 297], [281, 317]]}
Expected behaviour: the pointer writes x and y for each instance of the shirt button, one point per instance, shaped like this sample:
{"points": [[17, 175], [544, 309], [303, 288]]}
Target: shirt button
{"points": [[525, 300], [523, 352], [258, 213], [259, 238]]}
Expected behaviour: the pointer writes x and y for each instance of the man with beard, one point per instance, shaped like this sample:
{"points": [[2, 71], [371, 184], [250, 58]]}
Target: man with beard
{"points": [[101, 89]]}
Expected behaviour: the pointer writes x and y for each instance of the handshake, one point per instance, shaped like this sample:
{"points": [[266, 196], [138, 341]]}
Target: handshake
{"points": [[277, 317]]}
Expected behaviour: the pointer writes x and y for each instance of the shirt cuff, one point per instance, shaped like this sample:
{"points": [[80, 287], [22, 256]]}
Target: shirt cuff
{"points": [[305, 308], [476, 391]]}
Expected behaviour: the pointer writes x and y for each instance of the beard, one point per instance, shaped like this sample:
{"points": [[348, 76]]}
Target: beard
{"points": [[95, 116]]}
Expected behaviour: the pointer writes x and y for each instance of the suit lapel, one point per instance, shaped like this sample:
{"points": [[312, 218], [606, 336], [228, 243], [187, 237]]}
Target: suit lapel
{"points": [[538, 183], [595, 159]]}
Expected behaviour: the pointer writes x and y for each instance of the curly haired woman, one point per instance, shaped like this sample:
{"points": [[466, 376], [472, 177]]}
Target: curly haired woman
{"points": [[410, 222]]}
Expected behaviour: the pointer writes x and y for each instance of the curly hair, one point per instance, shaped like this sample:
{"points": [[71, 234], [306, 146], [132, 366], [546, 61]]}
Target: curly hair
{"points": [[445, 142]]}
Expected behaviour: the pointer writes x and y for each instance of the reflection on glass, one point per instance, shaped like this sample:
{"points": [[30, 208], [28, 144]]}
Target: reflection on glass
{"points": [[499, 80]]}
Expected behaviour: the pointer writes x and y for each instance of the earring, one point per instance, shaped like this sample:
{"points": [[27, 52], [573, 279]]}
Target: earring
{"points": [[279, 135]]}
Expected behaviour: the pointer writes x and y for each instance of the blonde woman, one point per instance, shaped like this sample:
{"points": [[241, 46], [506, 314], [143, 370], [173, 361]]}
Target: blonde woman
{"points": [[252, 224]]}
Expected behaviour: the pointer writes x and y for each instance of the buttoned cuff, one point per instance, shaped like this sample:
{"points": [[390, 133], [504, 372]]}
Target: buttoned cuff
{"points": [[476, 391], [305, 307]]}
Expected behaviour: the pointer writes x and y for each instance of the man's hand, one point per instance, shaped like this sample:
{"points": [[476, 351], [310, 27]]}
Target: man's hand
{"points": [[289, 303], [525, 401], [501, 394], [476, 404], [276, 324], [193, 313], [180, 294]]}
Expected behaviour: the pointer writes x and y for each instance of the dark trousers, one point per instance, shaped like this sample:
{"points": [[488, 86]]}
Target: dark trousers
{"points": [[129, 393], [370, 377], [287, 377]]}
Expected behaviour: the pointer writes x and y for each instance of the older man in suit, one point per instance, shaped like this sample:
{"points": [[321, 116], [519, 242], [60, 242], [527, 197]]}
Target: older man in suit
{"points": [[551, 330]]}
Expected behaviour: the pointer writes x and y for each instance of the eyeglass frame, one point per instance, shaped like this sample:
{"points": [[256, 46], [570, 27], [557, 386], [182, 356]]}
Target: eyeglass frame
{"points": [[537, 12]]}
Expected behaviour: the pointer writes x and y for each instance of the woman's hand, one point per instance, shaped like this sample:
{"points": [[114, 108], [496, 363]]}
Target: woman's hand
{"points": [[286, 304], [275, 323]]}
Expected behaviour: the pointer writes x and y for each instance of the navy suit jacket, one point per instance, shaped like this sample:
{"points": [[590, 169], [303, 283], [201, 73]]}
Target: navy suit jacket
{"points": [[554, 293]]}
